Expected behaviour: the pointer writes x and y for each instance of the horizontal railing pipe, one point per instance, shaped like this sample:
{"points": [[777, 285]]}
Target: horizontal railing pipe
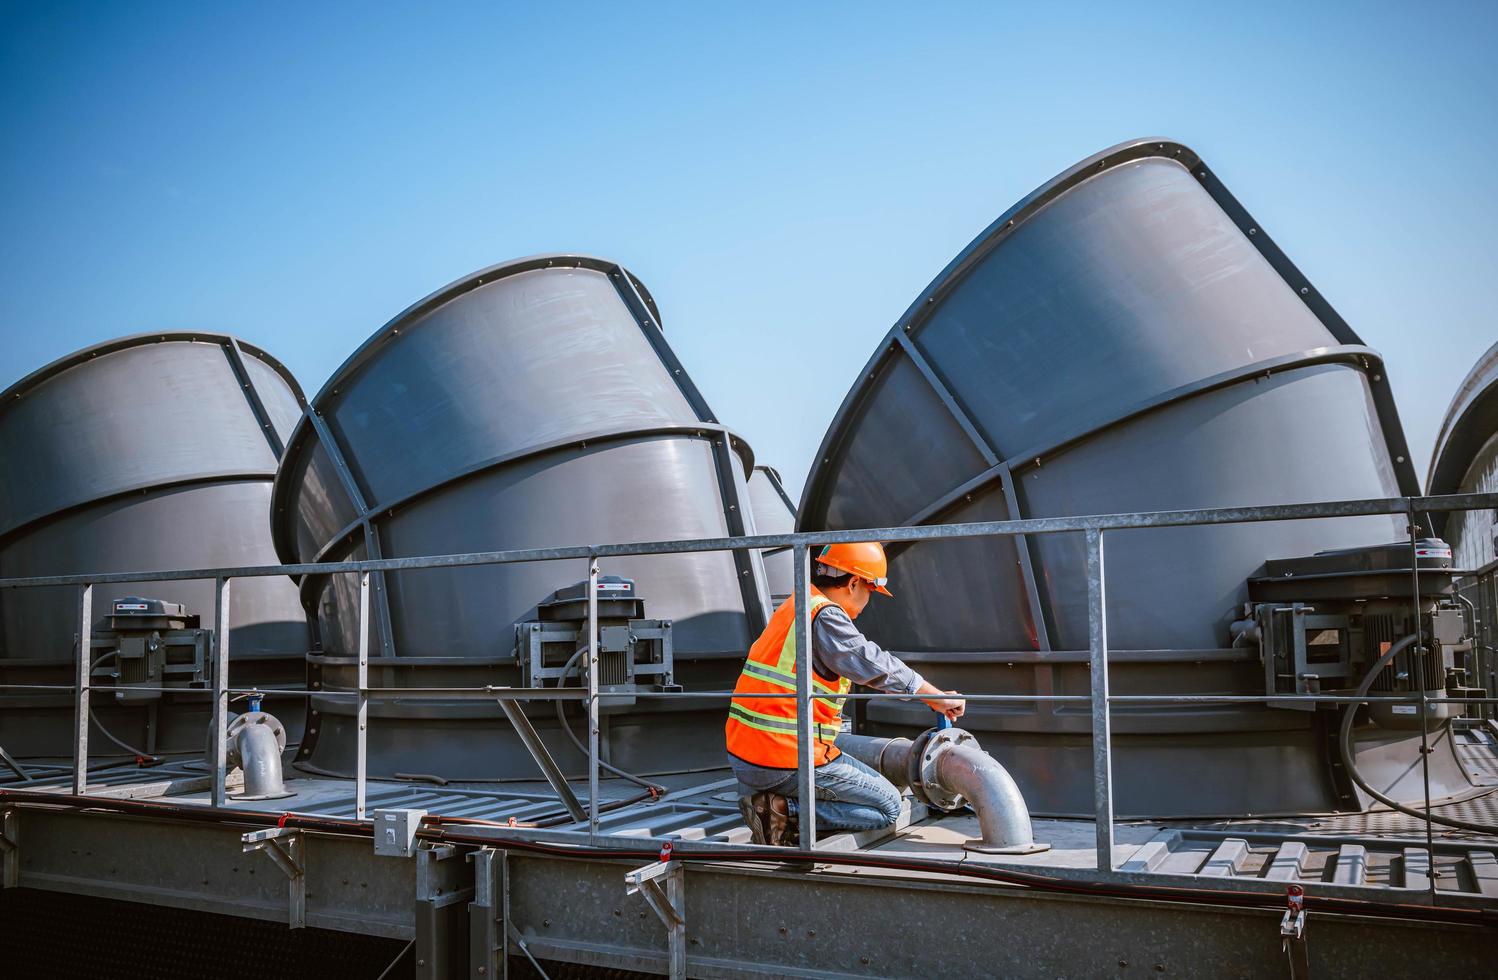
{"points": [[889, 535], [581, 694]]}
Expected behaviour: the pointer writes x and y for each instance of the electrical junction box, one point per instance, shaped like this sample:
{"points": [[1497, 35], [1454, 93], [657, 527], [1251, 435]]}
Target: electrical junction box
{"points": [[395, 832]]}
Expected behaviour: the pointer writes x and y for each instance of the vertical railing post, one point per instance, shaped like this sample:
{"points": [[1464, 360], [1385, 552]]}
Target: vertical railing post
{"points": [[1419, 657], [806, 755], [82, 680], [220, 688], [593, 722], [1487, 662], [361, 737], [1097, 644]]}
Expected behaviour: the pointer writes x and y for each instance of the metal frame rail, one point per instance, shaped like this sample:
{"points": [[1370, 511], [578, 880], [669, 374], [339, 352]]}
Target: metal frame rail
{"points": [[1100, 700], [1479, 591]]}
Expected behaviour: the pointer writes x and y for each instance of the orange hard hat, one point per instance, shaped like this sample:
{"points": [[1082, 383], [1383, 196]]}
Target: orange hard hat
{"points": [[864, 559]]}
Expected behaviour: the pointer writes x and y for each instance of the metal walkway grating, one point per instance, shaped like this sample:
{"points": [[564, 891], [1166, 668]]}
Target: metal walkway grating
{"points": [[1459, 868]]}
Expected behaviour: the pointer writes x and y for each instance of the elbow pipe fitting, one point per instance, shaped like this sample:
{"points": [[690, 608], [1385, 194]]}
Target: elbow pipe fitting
{"points": [[254, 742], [1004, 820], [947, 768]]}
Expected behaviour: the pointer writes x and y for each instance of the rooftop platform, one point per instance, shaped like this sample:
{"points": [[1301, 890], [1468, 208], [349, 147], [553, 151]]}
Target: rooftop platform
{"points": [[502, 871]]}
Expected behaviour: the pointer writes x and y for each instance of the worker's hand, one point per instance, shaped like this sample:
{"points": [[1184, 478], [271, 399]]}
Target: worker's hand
{"points": [[951, 707]]}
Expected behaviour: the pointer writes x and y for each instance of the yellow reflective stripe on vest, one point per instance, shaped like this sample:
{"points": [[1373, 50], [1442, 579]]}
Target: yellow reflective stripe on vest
{"points": [[786, 679], [788, 648], [774, 678], [776, 725]]}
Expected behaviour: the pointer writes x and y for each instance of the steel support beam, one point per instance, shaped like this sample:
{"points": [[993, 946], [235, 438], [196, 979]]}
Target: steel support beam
{"points": [[948, 400], [361, 735], [1102, 739], [235, 355], [81, 681], [594, 720], [365, 512], [753, 922], [10, 849], [443, 891], [488, 916], [1027, 561], [203, 866], [568, 908], [220, 722]]}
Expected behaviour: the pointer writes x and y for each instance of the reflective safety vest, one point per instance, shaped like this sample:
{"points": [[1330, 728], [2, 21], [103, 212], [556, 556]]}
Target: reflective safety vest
{"points": [[762, 731]]}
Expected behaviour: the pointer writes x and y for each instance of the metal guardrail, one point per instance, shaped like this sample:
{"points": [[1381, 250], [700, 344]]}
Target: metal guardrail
{"points": [[1094, 528]]}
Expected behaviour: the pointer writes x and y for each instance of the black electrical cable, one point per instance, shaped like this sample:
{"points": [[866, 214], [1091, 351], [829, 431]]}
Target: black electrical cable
{"points": [[145, 757], [1344, 744], [688, 851], [652, 789]]}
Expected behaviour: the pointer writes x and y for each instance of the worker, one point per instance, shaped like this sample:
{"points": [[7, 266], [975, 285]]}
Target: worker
{"points": [[761, 732]]}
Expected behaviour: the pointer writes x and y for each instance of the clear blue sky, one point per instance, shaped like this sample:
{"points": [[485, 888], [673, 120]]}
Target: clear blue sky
{"points": [[784, 182]]}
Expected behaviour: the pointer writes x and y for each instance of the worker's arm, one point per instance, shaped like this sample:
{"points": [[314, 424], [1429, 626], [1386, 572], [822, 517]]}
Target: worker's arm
{"points": [[839, 649]]}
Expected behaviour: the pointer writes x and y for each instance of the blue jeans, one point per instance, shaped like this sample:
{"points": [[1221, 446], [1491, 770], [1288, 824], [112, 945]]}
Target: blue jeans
{"points": [[850, 796]]}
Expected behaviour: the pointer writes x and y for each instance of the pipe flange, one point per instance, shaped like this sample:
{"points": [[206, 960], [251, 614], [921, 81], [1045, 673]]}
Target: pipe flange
{"points": [[1027, 847], [924, 761]]}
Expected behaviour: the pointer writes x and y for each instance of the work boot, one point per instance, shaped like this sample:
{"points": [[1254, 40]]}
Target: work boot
{"points": [[768, 816]]}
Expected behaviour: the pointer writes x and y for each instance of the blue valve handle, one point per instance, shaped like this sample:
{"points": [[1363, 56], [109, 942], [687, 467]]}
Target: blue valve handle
{"points": [[942, 722]]}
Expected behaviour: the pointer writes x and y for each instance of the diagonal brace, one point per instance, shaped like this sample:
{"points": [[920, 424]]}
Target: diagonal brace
{"points": [[15, 766], [283, 846], [543, 759]]}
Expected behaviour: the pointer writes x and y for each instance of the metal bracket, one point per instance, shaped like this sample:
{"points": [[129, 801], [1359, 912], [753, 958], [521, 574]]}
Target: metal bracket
{"points": [[668, 903], [1293, 933], [283, 845], [10, 849]]}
